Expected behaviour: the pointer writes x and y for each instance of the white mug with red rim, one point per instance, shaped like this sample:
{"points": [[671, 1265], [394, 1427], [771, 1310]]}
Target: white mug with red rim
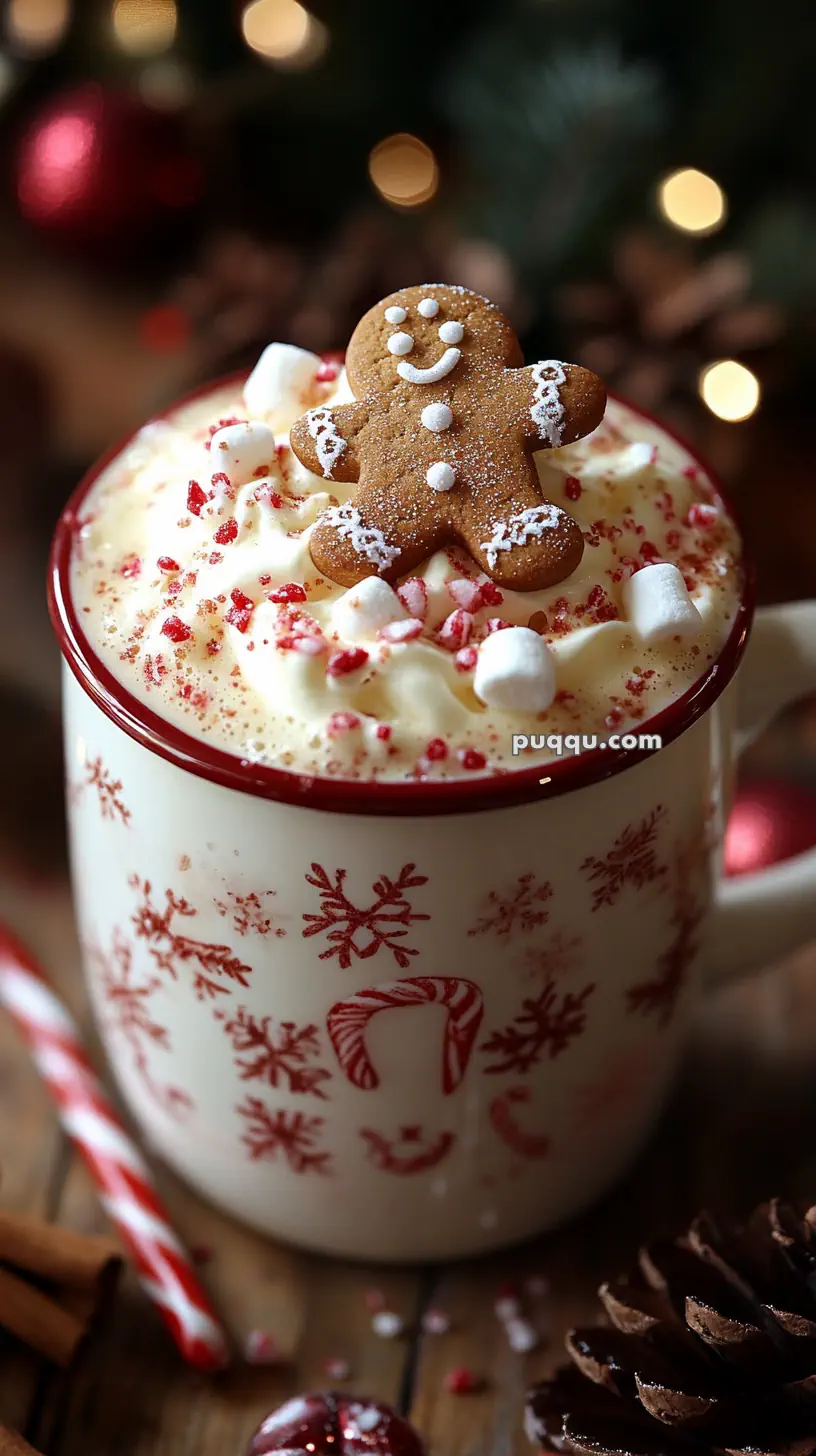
{"points": [[409, 1020]]}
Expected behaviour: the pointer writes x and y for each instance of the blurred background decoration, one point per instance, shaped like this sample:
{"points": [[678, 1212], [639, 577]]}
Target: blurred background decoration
{"points": [[185, 180]]}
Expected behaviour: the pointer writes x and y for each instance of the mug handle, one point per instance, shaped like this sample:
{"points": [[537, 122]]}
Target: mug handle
{"points": [[760, 918]]}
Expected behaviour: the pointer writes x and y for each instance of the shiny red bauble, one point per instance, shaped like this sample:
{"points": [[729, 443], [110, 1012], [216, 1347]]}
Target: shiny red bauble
{"points": [[325, 1423], [771, 821]]}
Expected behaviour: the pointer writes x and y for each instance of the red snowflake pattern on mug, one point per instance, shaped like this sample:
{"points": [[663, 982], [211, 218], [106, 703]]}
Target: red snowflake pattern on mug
{"points": [[407, 1153], [356, 931], [127, 1012], [545, 1023], [632, 860], [519, 910], [552, 961], [215, 969], [291, 1135], [659, 995], [249, 914], [108, 790], [276, 1054]]}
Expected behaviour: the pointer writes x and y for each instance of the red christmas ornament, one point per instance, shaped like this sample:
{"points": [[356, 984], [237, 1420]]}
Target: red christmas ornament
{"points": [[770, 822], [101, 172]]}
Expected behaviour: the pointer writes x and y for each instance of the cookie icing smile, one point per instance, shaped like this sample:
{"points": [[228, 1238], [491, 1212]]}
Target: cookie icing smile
{"points": [[434, 372]]}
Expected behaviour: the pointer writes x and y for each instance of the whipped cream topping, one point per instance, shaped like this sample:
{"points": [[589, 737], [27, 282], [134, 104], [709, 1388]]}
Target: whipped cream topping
{"points": [[193, 581]]}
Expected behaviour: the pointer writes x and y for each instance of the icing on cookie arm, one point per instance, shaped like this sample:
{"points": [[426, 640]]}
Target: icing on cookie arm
{"points": [[554, 403], [324, 440]]}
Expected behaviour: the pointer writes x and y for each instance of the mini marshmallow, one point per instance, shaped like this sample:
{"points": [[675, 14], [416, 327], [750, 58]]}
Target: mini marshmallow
{"points": [[243, 452], [428, 307], [361, 611], [396, 314], [282, 385], [657, 603], [452, 332], [515, 671], [437, 417]]}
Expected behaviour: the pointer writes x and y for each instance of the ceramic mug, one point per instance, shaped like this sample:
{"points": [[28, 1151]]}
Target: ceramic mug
{"points": [[407, 1021]]}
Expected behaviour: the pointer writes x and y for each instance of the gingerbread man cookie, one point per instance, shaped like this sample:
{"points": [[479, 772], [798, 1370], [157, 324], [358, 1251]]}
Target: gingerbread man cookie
{"points": [[441, 443]]}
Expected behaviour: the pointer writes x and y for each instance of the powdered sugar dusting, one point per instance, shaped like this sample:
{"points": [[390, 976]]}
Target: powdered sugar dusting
{"points": [[528, 525], [366, 540], [547, 410], [329, 444]]}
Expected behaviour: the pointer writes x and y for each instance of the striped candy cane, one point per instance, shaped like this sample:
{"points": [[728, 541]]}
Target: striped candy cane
{"points": [[116, 1166]]}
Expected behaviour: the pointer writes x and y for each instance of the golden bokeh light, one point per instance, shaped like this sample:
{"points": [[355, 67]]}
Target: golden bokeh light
{"points": [[284, 33], [731, 390], [692, 201], [35, 26], [145, 27], [404, 170]]}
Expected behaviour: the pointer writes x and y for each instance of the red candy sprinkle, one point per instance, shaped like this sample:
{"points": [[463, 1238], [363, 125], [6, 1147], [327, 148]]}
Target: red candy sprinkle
{"points": [[226, 533], [456, 629], [491, 595], [436, 750], [701, 514], [496, 624], [166, 563], [350, 660], [383, 732], [461, 1381], [291, 591], [327, 372], [240, 613], [176, 630], [196, 498], [471, 759], [342, 723], [131, 567], [572, 488]]}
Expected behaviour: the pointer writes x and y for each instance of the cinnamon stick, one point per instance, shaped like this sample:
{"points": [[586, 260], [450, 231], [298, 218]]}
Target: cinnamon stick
{"points": [[51, 1252], [12, 1444], [38, 1321]]}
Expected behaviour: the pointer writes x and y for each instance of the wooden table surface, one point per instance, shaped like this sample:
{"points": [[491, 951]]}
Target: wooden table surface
{"points": [[741, 1126]]}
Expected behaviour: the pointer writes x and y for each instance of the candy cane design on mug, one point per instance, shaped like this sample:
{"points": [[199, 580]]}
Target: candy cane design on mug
{"points": [[387, 1153], [348, 1020]]}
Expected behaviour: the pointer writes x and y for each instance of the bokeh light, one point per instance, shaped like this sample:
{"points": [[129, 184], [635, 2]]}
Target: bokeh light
{"points": [[284, 33], [145, 27], [404, 170], [731, 391], [692, 201], [37, 26]]}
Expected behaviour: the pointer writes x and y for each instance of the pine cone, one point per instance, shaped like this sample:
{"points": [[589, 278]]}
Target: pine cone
{"points": [[711, 1349]]}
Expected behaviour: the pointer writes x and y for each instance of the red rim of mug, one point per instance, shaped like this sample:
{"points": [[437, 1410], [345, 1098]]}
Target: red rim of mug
{"points": [[350, 796]]}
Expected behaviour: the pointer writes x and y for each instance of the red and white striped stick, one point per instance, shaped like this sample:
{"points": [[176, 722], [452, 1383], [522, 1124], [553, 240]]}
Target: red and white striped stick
{"points": [[120, 1173]]}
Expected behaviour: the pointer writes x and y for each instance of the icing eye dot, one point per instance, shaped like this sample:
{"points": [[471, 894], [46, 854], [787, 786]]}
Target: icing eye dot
{"points": [[437, 417], [395, 314], [440, 476], [429, 308], [452, 332], [400, 344]]}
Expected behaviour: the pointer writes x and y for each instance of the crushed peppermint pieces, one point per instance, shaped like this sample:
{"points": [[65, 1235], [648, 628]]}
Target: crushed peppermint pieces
{"points": [[471, 759], [461, 1381], [436, 1322], [336, 1368], [227, 533], [176, 630], [456, 629], [291, 591], [414, 597], [261, 1348], [406, 630], [167, 564], [387, 1324], [240, 613], [196, 498]]}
